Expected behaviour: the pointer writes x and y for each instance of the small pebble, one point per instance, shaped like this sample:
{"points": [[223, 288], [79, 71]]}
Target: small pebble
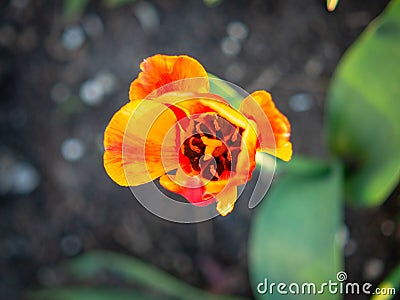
{"points": [[388, 227], [234, 72], [268, 78], [24, 178], [331, 51], [20, 4], [350, 248], [73, 37], [91, 92], [72, 149], [18, 178], [93, 26], [373, 268], [301, 102], [237, 30], [107, 81], [314, 68], [230, 46], [8, 35], [71, 245], [60, 92], [147, 16]]}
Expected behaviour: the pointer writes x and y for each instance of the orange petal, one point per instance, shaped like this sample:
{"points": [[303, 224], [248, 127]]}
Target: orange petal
{"points": [[140, 143], [260, 107], [161, 70]]}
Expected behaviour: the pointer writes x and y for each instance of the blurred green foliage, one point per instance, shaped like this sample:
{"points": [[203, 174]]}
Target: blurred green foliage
{"points": [[87, 293], [154, 283], [212, 3], [74, 8], [364, 111], [294, 233]]}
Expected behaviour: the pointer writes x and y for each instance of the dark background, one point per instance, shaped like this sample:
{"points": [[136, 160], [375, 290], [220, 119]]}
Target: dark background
{"points": [[61, 79]]}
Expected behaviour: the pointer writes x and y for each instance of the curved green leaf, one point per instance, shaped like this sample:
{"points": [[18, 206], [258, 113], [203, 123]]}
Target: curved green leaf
{"points": [[135, 271], [86, 293], [364, 111], [293, 235]]}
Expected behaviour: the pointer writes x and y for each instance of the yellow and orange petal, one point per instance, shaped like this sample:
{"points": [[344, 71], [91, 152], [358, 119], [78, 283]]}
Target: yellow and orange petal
{"points": [[164, 73], [226, 200], [140, 143], [192, 188], [198, 103], [202, 193], [260, 108]]}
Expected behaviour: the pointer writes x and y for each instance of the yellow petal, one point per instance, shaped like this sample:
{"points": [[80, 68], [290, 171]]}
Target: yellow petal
{"points": [[140, 143], [331, 4], [246, 160], [226, 200], [284, 152]]}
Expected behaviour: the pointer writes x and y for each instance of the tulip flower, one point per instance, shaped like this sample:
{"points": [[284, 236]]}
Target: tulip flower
{"points": [[194, 141]]}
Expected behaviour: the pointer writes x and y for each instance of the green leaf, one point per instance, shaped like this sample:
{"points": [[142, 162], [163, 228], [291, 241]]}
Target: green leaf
{"points": [[293, 237], [226, 90], [302, 165], [116, 3], [212, 3], [389, 286], [364, 111], [86, 293], [74, 8], [132, 270]]}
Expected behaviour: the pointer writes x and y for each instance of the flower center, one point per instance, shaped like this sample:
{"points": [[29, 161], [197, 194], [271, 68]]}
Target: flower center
{"points": [[212, 147]]}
